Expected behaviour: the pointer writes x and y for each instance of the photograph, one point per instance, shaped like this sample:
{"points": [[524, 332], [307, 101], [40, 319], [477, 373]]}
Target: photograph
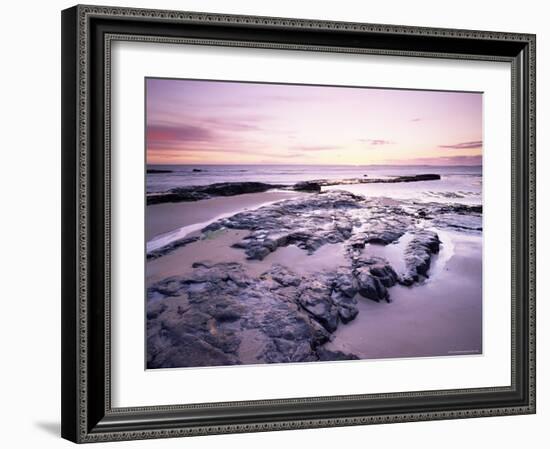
{"points": [[290, 223], [276, 222]]}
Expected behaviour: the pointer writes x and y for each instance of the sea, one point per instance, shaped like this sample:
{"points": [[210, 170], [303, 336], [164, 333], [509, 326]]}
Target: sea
{"points": [[458, 184]]}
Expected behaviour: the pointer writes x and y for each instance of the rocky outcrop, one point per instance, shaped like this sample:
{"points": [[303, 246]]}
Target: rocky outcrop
{"points": [[366, 180], [196, 193], [157, 171], [308, 222], [307, 186], [171, 247], [416, 178], [418, 255], [382, 234], [374, 276], [220, 316]]}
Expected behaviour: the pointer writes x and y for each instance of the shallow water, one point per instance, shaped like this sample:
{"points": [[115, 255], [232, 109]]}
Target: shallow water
{"points": [[449, 189], [441, 316], [210, 250], [394, 253], [328, 257]]}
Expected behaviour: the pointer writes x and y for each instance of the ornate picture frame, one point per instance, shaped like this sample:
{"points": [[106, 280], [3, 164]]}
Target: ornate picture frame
{"points": [[87, 35]]}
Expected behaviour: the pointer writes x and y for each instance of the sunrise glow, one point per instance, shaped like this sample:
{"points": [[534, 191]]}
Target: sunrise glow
{"points": [[210, 122]]}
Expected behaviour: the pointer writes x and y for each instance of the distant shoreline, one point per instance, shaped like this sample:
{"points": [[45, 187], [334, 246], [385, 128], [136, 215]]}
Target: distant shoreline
{"points": [[197, 193]]}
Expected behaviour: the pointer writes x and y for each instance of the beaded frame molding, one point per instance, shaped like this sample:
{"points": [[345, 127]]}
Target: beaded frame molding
{"points": [[87, 34]]}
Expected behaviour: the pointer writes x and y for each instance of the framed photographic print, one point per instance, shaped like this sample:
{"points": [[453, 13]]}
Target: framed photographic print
{"points": [[268, 222]]}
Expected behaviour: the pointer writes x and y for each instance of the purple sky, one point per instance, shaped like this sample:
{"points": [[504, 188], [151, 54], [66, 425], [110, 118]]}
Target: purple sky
{"points": [[206, 122]]}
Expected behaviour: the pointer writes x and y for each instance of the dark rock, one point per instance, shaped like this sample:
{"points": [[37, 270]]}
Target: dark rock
{"points": [[257, 252], [217, 315], [384, 236], [307, 186], [345, 282], [315, 298], [347, 314], [327, 355], [395, 179], [374, 275], [415, 178], [309, 223], [379, 268], [171, 247], [418, 256], [196, 193], [461, 209], [358, 240], [284, 276], [370, 287], [156, 170], [347, 306]]}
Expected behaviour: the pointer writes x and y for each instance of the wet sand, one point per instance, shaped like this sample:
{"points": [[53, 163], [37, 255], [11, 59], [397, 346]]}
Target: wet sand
{"points": [[166, 217], [216, 248], [328, 257]]}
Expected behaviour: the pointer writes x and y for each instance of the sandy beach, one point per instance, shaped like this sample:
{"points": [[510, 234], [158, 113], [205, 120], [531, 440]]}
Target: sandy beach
{"points": [[162, 218]]}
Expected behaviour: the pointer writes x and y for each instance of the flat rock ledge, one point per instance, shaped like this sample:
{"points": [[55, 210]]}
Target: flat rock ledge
{"points": [[311, 221], [196, 193]]}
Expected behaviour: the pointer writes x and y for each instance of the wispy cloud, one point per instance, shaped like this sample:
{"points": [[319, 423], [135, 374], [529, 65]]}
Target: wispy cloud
{"points": [[180, 133], [315, 147], [244, 124], [417, 119], [211, 132], [464, 145], [451, 160], [376, 142]]}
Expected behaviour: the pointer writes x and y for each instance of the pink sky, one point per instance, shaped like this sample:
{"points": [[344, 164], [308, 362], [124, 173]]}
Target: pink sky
{"points": [[213, 122]]}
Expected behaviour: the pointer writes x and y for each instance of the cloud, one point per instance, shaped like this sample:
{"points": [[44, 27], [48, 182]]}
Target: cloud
{"points": [[451, 160], [376, 142], [315, 147], [210, 132], [241, 124], [464, 145], [166, 134], [417, 119], [287, 155]]}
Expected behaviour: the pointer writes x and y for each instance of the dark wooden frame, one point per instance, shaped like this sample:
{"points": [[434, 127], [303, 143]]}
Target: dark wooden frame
{"points": [[87, 32]]}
